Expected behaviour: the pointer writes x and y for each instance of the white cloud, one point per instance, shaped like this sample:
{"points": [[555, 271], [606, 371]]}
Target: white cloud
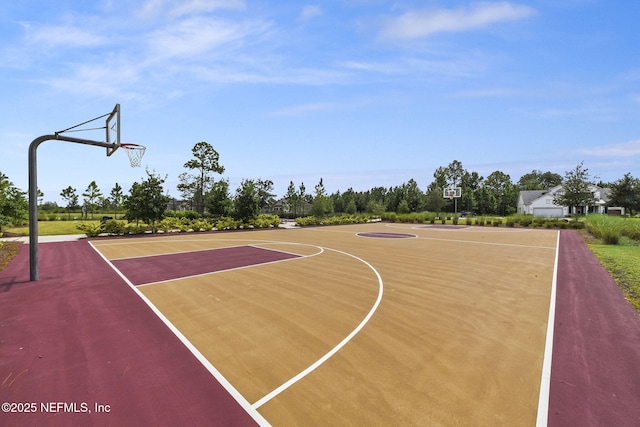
{"points": [[62, 35], [177, 8], [309, 12], [182, 7], [418, 24], [196, 35], [622, 149]]}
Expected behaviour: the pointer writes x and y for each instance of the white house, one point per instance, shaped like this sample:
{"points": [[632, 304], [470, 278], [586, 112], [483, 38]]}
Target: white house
{"points": [[540, 203]]}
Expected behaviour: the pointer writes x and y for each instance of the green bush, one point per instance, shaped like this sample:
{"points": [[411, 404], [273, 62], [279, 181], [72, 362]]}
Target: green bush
{"points": [[526, 221], [606, 228], [114, 226], [266, 221], [91, 229], [227, 223]]}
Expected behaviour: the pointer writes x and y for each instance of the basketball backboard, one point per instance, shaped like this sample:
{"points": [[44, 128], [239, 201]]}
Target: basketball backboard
{"points": [[112, 127], [452, 193]]}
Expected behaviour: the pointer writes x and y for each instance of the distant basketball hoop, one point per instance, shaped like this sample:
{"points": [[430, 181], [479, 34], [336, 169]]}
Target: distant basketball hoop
{"points": [[452, 193]]}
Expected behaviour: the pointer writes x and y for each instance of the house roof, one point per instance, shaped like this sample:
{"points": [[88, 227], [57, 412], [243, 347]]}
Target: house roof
{"points": [[529, 196]]}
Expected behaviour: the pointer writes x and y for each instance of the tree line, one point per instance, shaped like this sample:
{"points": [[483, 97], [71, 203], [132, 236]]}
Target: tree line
{"points": [[205, 193]]}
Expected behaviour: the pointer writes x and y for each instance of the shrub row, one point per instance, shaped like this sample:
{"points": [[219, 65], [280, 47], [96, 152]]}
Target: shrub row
{"points": [[176, 223], [333, 220]]}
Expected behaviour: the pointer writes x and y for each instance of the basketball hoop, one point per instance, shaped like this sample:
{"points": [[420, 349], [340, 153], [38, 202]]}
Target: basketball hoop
{"points": [[135, 153]]}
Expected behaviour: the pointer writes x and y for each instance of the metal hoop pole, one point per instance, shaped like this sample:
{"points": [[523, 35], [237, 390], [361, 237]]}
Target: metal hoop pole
{"points": [[33, 193]]}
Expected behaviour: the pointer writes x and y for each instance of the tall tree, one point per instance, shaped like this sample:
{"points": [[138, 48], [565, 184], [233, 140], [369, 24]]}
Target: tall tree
{"points": [[321, 204], [265, 192], [625, 193], [503, 191], [218, 201], [538, 180], [576, 189], [247, 201], [293, 198], [69, 195], [146, 201], [205, 163], [454, 173], [414, 196], [91, 196], [304, 197], [116, 197]]}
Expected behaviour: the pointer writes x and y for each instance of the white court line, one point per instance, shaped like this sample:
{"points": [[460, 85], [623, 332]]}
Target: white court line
{"points": [[545, 378], [334, 350], [216, 374]]}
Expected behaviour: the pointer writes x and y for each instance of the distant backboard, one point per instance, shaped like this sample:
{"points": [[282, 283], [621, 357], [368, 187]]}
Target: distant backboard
{"points": [[452, 193], [113, 129]]}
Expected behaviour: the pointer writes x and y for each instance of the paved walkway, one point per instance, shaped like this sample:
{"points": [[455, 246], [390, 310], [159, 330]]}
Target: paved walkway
{"points": [[595, 372]]}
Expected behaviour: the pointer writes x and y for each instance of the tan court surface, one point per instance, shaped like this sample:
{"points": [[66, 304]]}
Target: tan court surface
{"points": [[456, 339]]}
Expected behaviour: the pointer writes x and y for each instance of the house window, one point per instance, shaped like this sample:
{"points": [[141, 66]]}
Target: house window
{"points": [[548, 201]]}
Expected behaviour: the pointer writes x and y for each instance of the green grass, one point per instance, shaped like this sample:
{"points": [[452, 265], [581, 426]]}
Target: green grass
{"points": [[621, 261], [50, 228]]}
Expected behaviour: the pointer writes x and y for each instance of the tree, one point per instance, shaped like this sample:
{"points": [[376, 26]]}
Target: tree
{"points": [[576, 190], [434, 201], [321, 204], [503, 191], [91, 196], [293, 198], [14, 206], [304, 197], [206, 162], [485, 201], [538, 180], [116, 197], [247, 201], [625, 193], [454, 173], [414, 196], [70, 196], [265, 192], [146, 201], [218, 201]]}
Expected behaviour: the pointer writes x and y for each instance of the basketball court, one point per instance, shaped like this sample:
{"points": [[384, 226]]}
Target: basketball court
{"points": [[370, 324]]}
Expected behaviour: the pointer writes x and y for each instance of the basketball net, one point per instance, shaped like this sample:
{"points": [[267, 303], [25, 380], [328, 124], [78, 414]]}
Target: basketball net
{"points": [[135, 153]]}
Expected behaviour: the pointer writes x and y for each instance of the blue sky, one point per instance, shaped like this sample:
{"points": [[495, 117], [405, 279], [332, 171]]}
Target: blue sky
{"points": [[361, 93]]}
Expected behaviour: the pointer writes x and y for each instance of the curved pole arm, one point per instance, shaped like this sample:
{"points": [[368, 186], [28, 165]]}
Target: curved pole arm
{"points": [[33, 192]]}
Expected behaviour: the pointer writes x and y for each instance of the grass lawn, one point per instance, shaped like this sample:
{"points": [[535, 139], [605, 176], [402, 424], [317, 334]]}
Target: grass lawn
{"points": [[621, 261], [49, 228]]}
